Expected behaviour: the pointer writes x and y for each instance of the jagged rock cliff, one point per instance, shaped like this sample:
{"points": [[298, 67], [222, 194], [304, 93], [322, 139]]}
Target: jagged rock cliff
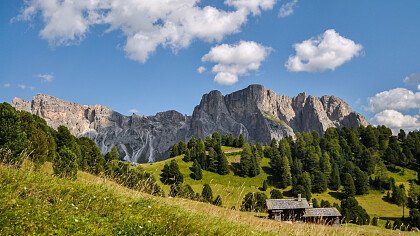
{"points": [[257, 113]]}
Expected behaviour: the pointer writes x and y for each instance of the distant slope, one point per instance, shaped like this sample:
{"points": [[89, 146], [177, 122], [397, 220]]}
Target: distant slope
{"points": [[256, 112], [233, 188], [37, 203]]}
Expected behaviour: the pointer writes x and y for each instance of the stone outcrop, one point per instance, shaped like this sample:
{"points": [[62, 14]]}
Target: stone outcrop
{"points": [[256, 112]]}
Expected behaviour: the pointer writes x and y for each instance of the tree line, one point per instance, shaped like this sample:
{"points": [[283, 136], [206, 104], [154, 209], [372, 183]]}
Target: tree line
{"points": [[27, 136]]}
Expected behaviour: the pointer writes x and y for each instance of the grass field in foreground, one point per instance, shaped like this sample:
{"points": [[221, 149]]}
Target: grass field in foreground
{"points": [[38, 203], [232, 188]]}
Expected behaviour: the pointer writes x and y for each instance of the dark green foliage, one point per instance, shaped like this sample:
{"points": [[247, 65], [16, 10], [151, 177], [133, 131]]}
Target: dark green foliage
{"points": [[182, 191], [276, 194], [187, 156], [217, 201], [196, 171], [388, 224], [175, 150], [248, 163], [374, 221], [348, 185], [315, 203], [280, 168], [264, 186], [241, 140], [325, 203], [319, 184], [92, 160], [398, 195], [415, 218], [334, 180], [207, 193], [65, 164], [353, 212], [222, 164], [171, 173], [361, 182], [254, 202], [13, 139], [64, 138]]}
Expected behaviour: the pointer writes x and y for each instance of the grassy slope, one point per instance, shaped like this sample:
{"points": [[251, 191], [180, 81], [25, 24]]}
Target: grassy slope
{"points": [[37, 203], [233, 188]]}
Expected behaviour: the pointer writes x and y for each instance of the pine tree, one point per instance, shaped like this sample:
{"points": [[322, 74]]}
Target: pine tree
{"points": [[315, 203], [276, 194], [217, 201], [65, 164], [241, 140], [348, 184], [307, 184], [187, 156], [325, 164], [92, 160], [334, 180], [207, 193], [211, 164], [361, 182], [171, 173], [320, 183], [254, 202], [13, 139], [222, 164], [196, 171]]}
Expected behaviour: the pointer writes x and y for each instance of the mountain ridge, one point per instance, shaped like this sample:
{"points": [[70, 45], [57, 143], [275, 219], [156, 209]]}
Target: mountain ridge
{"points": [[256, 112]]}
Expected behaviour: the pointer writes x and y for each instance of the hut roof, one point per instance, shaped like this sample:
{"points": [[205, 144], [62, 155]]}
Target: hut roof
{"points": [[321, 212], [283, 204]]}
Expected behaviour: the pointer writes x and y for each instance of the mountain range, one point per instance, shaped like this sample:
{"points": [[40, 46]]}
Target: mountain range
{"points": [[256, 112]]}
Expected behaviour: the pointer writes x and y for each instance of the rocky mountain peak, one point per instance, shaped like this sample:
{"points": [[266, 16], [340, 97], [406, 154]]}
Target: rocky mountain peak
{"points": [[257, 113]]}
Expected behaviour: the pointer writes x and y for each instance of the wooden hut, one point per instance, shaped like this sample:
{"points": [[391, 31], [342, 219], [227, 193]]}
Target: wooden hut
{"points": [[287, 209], [329, 216]]}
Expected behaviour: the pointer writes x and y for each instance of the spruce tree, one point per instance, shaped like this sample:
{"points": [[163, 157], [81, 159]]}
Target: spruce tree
{"points": [[320, 183], [276, 194], [207, 193], [334, 180], [348, 184], [217, 201], [171, 173], [361, 182], [241, 140], [196, 171], [222, 164]]}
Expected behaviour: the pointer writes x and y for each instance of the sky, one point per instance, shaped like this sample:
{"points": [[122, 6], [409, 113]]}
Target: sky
{"points": [[142, 56]]}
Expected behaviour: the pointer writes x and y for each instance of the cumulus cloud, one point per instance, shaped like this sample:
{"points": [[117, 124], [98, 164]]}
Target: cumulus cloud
{"points": [[413, 79], [325, 52], [235, 60], [7, 85], [399, 99], [46, 78], [287, 9], [133, 110], [201, 69], [145, 24], [396, 120], [254, 6], [23, 86]]}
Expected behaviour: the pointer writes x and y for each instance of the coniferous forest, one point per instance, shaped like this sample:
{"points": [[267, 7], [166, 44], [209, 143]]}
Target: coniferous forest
{"points": [[350, 161]]}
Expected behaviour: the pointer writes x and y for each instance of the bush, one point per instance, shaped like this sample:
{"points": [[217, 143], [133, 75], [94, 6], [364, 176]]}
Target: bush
{"points": [[65, 164], [254, 202]]}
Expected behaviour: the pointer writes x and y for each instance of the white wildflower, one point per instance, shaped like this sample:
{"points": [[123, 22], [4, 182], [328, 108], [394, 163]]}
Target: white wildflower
{"points": [[76, 220], [148, 221], [129, 205], [149, 207]]}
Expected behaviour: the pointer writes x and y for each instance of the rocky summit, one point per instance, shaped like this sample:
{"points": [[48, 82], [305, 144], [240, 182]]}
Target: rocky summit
{"points": [[257, 113]]}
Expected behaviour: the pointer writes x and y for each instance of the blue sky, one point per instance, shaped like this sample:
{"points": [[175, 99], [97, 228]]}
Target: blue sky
{"points": [[96, 65]]}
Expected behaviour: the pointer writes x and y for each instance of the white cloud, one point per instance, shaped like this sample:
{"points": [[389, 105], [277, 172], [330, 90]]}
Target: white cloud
{"points": [[413, 79], [22, 86], [7, 85], [287, 9], [399, 99], [46, 78], [254, 6], [235, 60], [396, 120], [145, 24], [325, 52], [201, 69], [418, 87], [133, 110]]}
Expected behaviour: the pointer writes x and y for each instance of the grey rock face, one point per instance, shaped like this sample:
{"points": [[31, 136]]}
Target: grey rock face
{"points": [[257, 113]]}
